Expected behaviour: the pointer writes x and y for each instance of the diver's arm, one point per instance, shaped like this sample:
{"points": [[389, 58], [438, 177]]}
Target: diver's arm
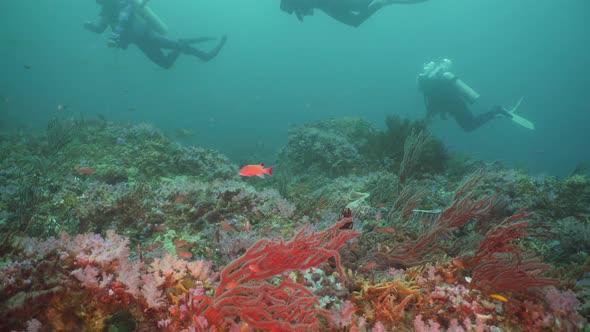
{"points": [[98, 27], [429, 109]]}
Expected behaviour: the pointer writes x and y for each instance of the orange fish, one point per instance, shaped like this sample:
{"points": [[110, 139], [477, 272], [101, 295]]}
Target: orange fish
{"points": [[247, 227], [226, 226], [232, 285], [380, 204], [368, 266], [254, 268], [160, 227], [84, 170], [255, 170], [180, 199], [499, 297], [184, 254], [385, 230], [245, 327], [153, 246], [179, 243], [457, 262]]}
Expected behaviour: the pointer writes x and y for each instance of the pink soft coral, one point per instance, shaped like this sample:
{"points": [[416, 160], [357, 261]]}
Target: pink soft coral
{"points": [[421, 326], [561, 301]]}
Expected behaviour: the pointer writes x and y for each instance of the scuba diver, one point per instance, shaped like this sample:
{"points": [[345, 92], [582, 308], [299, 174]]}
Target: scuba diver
{"points": [[350, 12], [130, 27], [445, 94]]}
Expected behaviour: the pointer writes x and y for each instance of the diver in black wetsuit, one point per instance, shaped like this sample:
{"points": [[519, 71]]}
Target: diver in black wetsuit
{"points": [[126, 29], [445, 94], [351, 12]]}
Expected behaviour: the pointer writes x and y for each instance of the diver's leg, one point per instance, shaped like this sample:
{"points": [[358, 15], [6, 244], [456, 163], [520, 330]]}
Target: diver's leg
{"points": [[356, 19], [464, 117], [184, 46], [349, 17], [205, 56], [154, 53], [469, 122], [163, 42]]}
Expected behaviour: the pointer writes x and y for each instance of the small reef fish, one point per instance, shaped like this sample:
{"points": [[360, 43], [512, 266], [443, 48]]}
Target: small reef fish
{"points": [[84, 170], [247, 226], [499, 297], [232, 285], [458, 263], [184, 254], [153, 246], [384, 230], [368, 266], [179, 243], [255, 170], [180, 199], [226, 226], [184, 133]]}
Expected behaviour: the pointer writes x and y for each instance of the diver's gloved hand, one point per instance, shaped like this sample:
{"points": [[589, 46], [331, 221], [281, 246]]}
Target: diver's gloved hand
{"points": [[88, 25], [299, 15], [114, 40]]}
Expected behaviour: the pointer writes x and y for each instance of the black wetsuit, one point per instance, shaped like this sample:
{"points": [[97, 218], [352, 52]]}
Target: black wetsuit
{"points": [[351, 12], [441, 97], [120, 16]]}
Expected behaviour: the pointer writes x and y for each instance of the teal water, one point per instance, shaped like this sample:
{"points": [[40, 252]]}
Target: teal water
{"points": [[275, 72]]}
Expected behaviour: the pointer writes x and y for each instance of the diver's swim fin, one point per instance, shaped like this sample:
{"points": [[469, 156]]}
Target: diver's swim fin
{"points": [[519, 119], [190, 41]]}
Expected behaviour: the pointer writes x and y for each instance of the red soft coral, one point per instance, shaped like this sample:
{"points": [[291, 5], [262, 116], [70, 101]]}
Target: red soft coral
{"points": [[243, 291]]}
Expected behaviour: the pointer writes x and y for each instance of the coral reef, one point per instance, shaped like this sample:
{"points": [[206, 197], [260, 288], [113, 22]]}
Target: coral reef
{"points": [[107, 227]]}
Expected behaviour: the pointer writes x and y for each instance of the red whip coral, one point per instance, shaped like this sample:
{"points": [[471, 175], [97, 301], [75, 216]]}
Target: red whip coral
{"points": [[439, 236], [499, 264], [243, 292]]}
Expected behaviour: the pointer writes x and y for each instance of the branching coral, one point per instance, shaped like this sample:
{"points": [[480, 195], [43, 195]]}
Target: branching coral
{"points": [[438, 237], [243, 280], [499, 264]]}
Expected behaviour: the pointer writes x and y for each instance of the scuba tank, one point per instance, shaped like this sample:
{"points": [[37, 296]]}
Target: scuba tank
{"points": [[443, 71], [149, 16], [462, 88]]}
